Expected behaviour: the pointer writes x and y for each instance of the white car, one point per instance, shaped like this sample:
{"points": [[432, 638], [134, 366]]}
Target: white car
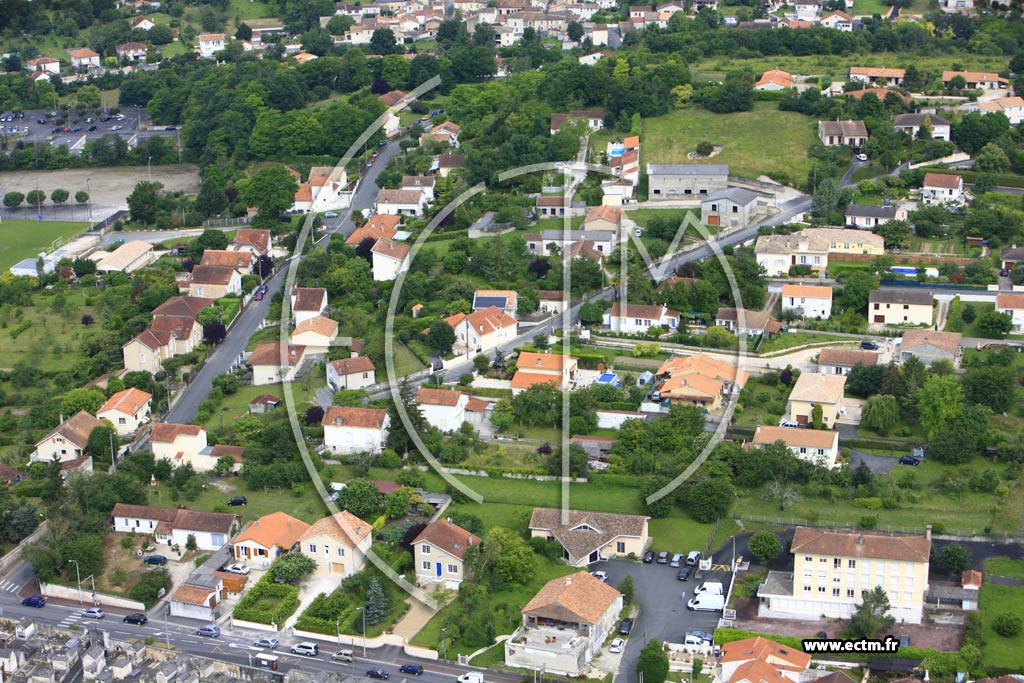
{"points": [[236, 568], [616, 645], [93, 613], [862, 157], [331, 214], [116, 127], [266, 642], [602, 576]]}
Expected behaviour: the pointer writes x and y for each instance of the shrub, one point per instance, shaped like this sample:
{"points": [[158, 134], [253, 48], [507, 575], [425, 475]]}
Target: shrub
{"points": [[869, 503], [704, 148], [268, 602], [868, 522], [1008, 624], [147, 589]]}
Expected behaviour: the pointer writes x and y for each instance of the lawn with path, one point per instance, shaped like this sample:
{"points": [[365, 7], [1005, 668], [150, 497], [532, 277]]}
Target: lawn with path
{"points": [[744, 137]]}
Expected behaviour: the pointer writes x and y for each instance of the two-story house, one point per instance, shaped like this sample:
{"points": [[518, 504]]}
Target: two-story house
{"points": [[816, 446], [536, 368], [274, 362], [307, 303], [565, 626], [338, 544], [127, 410], [439, 553], [355, 372], [316, 334], [389, 259], [833, 569], [482, 331], [807, 301], [209, 44], [1012, 305], [698, 380], [639, 318], [85, 59], [759, 660], [811, 248], [260, 543], [68, 440], [214, 282], [355, 430], [900, 307], [942, 188], [239, 259], [843, 133], [442, 408], [506, 300], [733, 207], [913, 123], [812, 389]]}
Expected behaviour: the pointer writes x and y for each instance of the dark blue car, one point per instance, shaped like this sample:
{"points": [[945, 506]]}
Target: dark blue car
{"points": [[414, 669], [34, 601], [155, 559]]}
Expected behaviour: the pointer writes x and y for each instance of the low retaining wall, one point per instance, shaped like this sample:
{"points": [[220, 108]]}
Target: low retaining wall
{"points": [[53, 590], [13, 557], [254, 625], [354, 641]]}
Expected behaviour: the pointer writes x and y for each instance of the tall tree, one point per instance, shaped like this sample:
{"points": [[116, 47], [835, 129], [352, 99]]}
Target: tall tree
{"points": [[144, 201], [872, 615]]}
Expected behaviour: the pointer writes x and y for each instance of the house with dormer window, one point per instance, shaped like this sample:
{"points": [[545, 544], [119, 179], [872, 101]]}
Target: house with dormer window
{"points": [[440, 553], [591, 536]]}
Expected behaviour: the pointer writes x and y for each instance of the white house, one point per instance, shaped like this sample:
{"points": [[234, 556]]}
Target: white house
{"points": [[175, 442], [868, 216], [552, 301], [307, 303], [442, 408], [85, 59], [419, 183], [316, 334], [1013, 304], [338, 544], [209, 44], [808, 301], [356, 372], [214, 282], [68, 440], [942, 188], [401, 202], [912, 123], [273, 363], [439, 553], [842, 361], [638, 318], [355, 430], [271, 535], [816, 446], [482, 331], [173, 526], [127, 410], [389, 259]]}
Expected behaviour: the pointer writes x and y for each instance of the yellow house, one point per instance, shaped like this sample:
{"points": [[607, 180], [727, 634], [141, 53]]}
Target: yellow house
{"points": [[900, 307], [440, 554], [811, 247], [832, 569], [591, 536], [338, 544], [127, 410], [812, 389]]}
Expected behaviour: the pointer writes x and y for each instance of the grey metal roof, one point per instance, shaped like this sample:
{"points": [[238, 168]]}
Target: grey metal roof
{"points": [[577, 235], [687, 169], [871, 211], [901, 296], [739, 195]]}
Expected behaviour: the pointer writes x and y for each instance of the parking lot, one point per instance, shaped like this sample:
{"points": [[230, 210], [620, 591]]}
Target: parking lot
{"points": [[41, 126], [662, 601]]}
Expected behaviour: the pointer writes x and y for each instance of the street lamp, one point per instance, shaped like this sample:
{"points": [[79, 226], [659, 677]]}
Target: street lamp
{"points": [[88, 202], [363, 612], [444, 643], [78, 575], [149, 165]]}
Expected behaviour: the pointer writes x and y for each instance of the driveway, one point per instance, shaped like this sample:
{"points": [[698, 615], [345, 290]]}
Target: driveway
{"points": [[661, 599], [878, 464]]}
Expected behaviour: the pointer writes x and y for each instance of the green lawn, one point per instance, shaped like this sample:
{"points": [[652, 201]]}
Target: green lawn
{"points": [[996, 600], [1004, 566], [762, 404], [681, 535], [745, 138], [237, 404], [21, 239], [45, 337], [871, 7], [955, 323], [868, 171], [788, 340], [307, 506]]}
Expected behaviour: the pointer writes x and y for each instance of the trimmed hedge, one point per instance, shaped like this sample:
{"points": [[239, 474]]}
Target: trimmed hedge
{"points": [[728, 635], [268, 602]]}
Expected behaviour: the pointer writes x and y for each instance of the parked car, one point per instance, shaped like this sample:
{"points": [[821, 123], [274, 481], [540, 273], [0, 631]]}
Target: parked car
{"points": [[331, 214], [414, 669], [648, 557], [209, 631], [91, 128], [382, 143], [138, 619], [788, 423], [237, 500], [116, 127], [266, 642], [93, 613], [616, 645], [625, 627], [868, 345], [693, 558], [379, 674], [171, 128], [601, 576], [343, 656], [41, 122], [677, 560], [236, 568], [34, 601], [910, 460], [76, 129], [258, 295], [264, 289], [305, 648], [158, 560], [663, 557], [684, 573], [698, 638], [862, 157]]}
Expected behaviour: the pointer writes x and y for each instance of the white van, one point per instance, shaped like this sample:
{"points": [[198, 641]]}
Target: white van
{"points": [[706, 603], [708, 588]]}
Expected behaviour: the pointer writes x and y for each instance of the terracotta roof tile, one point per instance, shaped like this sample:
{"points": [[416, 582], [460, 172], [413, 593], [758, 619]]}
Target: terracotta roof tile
{"points": [[808, 291], [817, 388], [391, 249], [947, 341], [351, 366], [167, 432], [222, 257], [601, 528], [946, 181], [579, 594], [362, 418], [76, 429], [320, 324], [847, 357], [342, 526], [875, 546], [212, 275], [450, 537], [438, 397], [129, 401], [276, 529], [182, 306], [271, 354], [193, 595], [792, 436]]}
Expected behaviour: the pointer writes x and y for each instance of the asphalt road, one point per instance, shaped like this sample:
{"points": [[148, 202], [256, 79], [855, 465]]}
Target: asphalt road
{"points": [[366, 193], [234, 644]]}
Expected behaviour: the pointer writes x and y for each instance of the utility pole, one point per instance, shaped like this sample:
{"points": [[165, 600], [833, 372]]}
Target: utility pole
{"points": [[78, 575]]}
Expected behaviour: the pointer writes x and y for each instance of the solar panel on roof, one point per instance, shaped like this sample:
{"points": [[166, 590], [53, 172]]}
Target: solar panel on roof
{"points": [[488, 301]]}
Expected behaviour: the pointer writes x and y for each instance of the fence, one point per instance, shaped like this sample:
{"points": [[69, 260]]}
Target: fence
{"points": [[115, 217], [930, 285], [13, 557], [86, 596], [225, 222]]}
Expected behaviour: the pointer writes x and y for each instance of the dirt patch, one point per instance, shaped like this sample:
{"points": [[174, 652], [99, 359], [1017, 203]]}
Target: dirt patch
{"points": [[106, 186], [693, 156]]}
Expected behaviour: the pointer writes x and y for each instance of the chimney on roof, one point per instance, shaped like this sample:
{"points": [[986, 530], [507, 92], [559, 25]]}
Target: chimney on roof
{"points": [[61, 419], [860, 539], [928, 531]]}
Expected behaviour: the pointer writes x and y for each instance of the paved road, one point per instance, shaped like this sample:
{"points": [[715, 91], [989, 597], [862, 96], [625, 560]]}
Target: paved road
{"points": [[366, 193], [234, 644], [154, 236], [225, 355]]}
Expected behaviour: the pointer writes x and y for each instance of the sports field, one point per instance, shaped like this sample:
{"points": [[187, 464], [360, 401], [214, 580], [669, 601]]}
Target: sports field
{"points": [[21, 239]]}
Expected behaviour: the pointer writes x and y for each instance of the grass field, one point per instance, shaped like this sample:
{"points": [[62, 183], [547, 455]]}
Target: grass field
{"points": [[871, 7], [996, 600], [237, 404], [21, 239], [53, 339], [1004, 566], [760, 142], [307, 506]]}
